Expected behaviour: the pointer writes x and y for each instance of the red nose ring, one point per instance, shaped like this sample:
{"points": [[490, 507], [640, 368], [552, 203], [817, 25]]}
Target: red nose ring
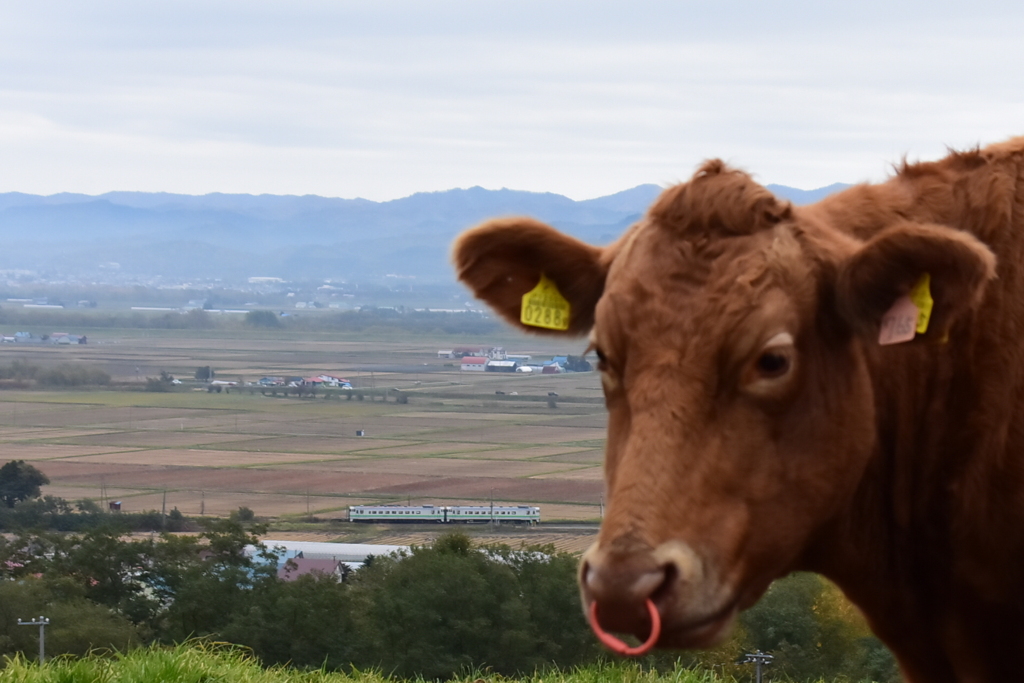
{"points": [[616, 645]]}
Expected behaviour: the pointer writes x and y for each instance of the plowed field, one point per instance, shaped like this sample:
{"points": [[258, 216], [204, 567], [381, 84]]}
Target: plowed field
{"points": [[458, 437]]}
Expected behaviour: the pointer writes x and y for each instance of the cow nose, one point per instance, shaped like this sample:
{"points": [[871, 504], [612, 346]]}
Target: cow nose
{"points": [[621, 583], [611, 582]]}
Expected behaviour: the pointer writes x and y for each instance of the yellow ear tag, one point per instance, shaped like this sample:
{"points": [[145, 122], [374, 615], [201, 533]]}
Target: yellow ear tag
{"points": [[921, 295], [544, 306], [909, 315]]}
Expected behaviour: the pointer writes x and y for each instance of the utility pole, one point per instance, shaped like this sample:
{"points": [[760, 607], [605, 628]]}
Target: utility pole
{"points": [[41, 622], [758, 659]]}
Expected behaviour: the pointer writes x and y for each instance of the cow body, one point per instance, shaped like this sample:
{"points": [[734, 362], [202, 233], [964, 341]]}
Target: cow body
{"points": [[757, 427]]}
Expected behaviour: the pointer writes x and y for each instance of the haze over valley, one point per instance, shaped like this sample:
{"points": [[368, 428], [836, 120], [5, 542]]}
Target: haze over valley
{"points": [[346, 252]]}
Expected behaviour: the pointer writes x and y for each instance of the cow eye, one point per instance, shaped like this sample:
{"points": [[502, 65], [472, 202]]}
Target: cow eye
{"points": [[773, 364]]}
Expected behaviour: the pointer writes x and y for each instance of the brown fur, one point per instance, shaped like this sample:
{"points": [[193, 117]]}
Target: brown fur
{"points": [[896, 471]]}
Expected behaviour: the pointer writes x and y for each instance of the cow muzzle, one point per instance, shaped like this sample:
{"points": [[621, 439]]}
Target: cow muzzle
{"points": [[661, 595]]}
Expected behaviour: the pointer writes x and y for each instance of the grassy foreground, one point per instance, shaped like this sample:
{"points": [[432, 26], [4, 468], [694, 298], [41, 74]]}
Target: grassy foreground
{"points": [[198, 662]]}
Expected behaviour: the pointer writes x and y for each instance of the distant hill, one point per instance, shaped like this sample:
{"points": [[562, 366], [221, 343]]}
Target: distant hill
{"points": [[232, 236], [799, 197]]}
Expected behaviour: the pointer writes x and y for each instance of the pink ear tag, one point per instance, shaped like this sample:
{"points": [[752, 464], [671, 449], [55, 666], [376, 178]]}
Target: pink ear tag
{"points": [[899, 324]]}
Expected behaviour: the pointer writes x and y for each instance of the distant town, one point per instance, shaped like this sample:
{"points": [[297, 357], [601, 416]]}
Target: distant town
{"points": [[495, 359]]}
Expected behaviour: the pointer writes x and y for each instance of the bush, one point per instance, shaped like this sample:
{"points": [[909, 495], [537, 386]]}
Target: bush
{"points": [[77, 625], [20, 374], [513, 612], [243, 514], [263, 319], [157, 385], [72, 375], [813, 632]]}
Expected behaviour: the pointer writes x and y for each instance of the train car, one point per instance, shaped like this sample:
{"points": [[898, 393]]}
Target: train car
{"points": [[457, 514], [397, 513], [482, 514]]}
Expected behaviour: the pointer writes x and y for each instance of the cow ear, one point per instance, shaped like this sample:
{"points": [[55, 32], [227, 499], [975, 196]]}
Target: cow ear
{"points": [[887, 267], [503, 259]]}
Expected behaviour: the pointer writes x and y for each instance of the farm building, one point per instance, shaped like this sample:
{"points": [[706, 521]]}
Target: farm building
{"points": [[332, 381], [495, 352], [501, 366], [295, 567], [352, 554], [473, 364]]}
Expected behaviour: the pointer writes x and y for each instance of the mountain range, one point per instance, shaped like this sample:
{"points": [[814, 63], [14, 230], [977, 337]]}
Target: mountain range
{"points": [[236, 236]]}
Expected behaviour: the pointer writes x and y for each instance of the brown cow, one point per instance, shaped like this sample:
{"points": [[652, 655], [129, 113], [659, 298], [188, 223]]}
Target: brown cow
{"points": [[758, 427]]}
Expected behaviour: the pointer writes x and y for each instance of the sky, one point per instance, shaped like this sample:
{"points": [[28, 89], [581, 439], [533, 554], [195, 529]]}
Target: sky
{"points": [[380, 99]]}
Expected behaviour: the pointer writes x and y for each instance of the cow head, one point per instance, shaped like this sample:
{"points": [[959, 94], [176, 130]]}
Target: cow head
{"points": [[735, 336]]}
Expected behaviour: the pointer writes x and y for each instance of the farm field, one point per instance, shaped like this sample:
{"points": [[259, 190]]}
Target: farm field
{"points": [[457, 439]]}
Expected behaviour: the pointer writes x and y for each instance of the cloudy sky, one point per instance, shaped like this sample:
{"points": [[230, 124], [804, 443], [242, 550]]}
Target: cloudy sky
{"points": [[380, 99]]}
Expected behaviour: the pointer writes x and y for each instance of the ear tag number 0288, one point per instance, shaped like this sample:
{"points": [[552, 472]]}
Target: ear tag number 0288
{"points": [[909, 316], [544, 306]]}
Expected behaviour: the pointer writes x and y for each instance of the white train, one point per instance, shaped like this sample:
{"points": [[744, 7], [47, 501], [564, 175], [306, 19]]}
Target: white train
{"points": [[445, 514]]}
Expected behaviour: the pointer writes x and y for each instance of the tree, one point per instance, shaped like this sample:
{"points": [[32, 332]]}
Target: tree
{"points": [[814, 632], [243, 514], [547, 581], [204, 373], [442, 610], [156, 385], [109, 570], [198, 319], [261, 318], [20, 481], [307, 622], [77, 624], [207, 580]]}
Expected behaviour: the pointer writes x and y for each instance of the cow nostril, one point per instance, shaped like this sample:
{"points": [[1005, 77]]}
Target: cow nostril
{"points": [[587, 575], [647, 584], [670, 576]]}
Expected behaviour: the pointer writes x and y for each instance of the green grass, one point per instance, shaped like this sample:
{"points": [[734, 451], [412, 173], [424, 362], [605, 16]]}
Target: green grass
{"points": [[203, 662]]}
